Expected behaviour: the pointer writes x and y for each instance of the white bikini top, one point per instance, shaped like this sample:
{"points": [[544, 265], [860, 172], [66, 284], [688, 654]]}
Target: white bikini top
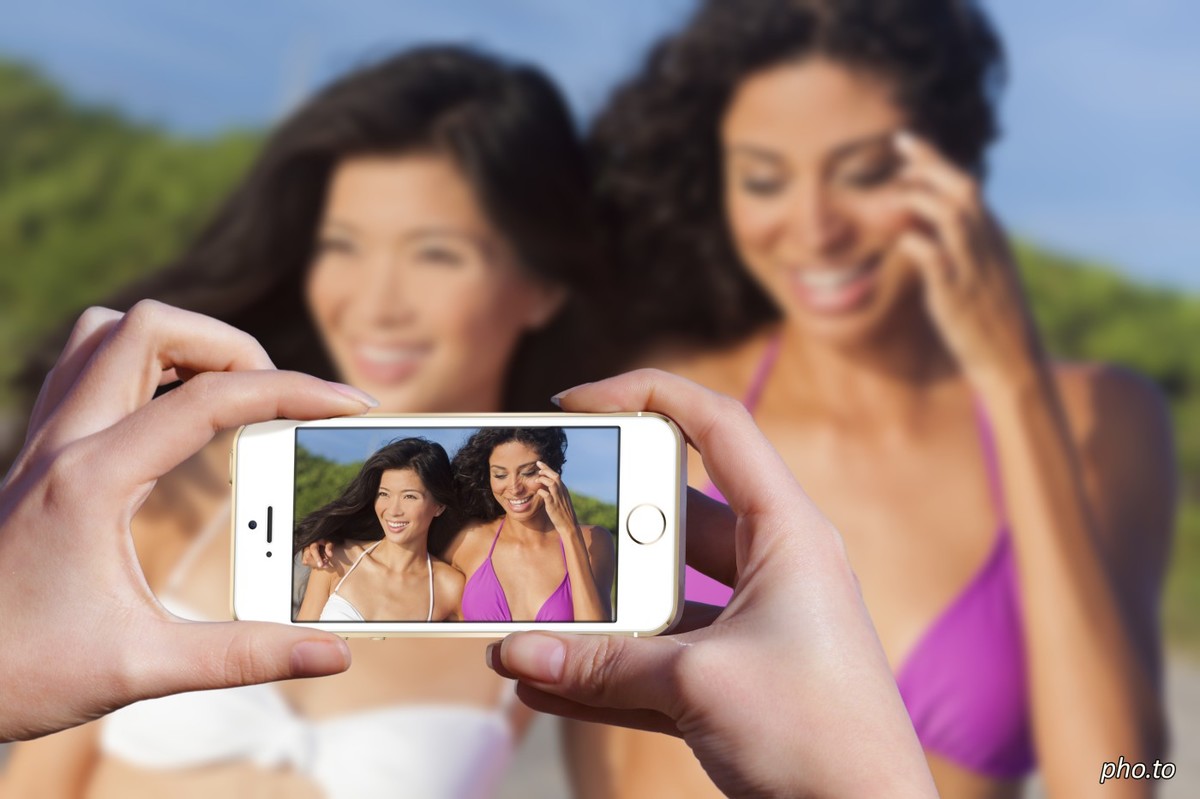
{"points": [[430, 751], [338, 608]]}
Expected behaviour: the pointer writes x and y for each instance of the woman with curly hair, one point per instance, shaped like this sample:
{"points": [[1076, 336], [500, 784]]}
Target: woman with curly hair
{"points": [[793, 193], [384, 526], [528, 557]]}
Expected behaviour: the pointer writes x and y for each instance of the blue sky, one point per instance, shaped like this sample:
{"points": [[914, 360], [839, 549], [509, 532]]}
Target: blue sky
{"points": [[592, 452], [1101, 114]]}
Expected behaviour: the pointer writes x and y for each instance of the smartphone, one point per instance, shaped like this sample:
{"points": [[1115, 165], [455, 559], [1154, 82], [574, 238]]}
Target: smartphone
{"points": [[461, 524]]}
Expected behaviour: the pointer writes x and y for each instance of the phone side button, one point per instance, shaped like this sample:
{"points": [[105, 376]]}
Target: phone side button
{"points": [[645, 524]]}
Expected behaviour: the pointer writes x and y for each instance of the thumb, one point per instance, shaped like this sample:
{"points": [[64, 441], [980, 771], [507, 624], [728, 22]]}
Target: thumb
{"points": [[196, 656], [608, 671]]}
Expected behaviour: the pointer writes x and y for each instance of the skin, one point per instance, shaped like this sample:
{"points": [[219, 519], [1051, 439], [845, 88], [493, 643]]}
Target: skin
{"points": [[391, 582], [871, 406], [378, 251], [793, 653], [69, 657], [418, 298], [528, 559]]}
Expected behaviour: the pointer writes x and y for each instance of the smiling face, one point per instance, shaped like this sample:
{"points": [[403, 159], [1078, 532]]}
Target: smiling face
{"points": [[811, 194], [514, 470], [404, 506], [419, 300]]}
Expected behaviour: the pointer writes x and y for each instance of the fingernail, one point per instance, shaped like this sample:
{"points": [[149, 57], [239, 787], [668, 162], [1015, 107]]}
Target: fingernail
{"points": [[535, 657], [319, 658], [489, 655], [354, 394], [557, 398], [904, 141]]}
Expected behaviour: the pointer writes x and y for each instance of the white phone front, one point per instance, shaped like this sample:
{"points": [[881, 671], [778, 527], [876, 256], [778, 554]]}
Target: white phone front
{"points": [[457, 524]]}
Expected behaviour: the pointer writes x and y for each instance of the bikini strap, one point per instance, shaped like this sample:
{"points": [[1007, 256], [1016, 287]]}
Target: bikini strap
{"points": [[184, 564], [429, 563], [991, 461], [357, 561], [497, 538], [759, 382]]}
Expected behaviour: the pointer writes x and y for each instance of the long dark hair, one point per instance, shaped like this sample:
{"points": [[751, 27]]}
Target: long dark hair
{"points": [[472, 475], [352, 514], [657, 154], [504, 125]]}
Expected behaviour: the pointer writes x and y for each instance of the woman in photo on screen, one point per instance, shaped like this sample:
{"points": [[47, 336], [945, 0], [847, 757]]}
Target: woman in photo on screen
{"points": [[527, 556], [387, 526], [817, 243], [418, 229]]}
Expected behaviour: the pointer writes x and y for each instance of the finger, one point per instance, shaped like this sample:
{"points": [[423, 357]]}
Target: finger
{"points": [[942, 175], [193, 656], [173, 427], [952, 229], [738, 459], [930, 260], [89, 330], [597, 670], [648, 720], [711, 542], [544, 468], [127, 366], [696, 616], [328, 554]]}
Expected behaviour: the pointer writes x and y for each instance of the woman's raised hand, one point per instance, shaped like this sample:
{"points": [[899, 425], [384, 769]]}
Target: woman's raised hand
{"points": [[972, 288], [787, 692], [557, 500], [81, 633]]}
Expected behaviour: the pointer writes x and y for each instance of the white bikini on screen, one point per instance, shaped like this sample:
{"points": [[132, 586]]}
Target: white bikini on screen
{"points": [[338, 608], [433, 751]]}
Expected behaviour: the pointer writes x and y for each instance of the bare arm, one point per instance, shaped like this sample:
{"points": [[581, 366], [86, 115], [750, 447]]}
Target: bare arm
{"points": [[1092, 509], [320, 587], [602, 556]]}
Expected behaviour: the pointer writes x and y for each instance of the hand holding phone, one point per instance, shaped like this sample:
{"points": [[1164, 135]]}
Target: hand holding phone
{"points": [[81, 634], [772, 692]]}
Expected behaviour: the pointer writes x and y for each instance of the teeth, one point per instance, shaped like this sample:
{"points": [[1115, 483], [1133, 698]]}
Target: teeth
{"points": [[388, 355], [830, 278], [519, 504], [397, 525]]}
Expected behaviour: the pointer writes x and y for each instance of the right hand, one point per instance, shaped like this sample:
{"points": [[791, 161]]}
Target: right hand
{"points": [[81, 634], [318, 555], [787, 692]]}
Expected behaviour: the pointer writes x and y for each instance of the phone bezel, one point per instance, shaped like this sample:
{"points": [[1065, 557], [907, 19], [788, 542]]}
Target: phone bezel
{"points": [[651, 470]]}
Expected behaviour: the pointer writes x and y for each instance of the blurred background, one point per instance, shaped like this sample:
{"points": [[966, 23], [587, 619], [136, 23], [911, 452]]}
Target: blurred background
{"points": [[122, 123]]}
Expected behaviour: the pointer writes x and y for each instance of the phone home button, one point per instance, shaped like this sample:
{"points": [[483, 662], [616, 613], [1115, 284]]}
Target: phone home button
{"points": [[645, 524]]}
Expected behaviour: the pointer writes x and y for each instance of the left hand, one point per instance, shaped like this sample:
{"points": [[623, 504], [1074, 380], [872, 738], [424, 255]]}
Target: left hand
{"points": [[557, 500], [972, 289]]}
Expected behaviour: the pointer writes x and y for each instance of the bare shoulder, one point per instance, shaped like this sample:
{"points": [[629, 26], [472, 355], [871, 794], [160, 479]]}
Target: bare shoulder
{"points": [[728, 369], [446, 576], [469, 544], [596, 535], [1110, 408], [1121, 426]]}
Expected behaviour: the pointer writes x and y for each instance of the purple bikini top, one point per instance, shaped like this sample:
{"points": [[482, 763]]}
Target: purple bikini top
{"points": [[965, 682], [483, 597]]}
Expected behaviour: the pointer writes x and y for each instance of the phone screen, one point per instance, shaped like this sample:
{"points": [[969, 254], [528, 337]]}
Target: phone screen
{"points": [[447, 524]]}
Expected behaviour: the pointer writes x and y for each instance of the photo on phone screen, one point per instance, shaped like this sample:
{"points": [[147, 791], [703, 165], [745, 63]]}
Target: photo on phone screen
{"points": [[445, 524]]}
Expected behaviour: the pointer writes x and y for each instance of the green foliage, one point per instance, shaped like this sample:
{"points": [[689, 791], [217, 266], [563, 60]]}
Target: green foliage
{"points": [[592, 511], [319, 480], [89, 201]]}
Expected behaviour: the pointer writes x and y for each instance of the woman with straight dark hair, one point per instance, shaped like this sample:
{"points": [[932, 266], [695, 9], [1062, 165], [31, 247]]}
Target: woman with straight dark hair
{"points": [[792, 190], [386, 525], [421, 230]]}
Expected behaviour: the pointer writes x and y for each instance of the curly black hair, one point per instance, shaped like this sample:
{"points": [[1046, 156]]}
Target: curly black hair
{"points": [[352, 514], [657, 157], [472, 476]]}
